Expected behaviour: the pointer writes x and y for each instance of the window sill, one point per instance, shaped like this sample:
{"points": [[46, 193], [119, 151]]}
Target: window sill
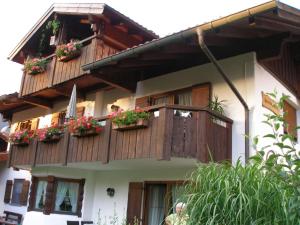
{"points": [[16, 205]]}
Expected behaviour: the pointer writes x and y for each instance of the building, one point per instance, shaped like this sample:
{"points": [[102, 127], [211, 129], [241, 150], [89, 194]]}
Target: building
{"points": [[137, 173]]}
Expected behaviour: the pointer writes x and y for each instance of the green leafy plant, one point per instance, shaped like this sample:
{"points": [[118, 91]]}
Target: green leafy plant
{"points": [[217, 105], [280, 158], [54, 25], [129, 117], [48, 133]]}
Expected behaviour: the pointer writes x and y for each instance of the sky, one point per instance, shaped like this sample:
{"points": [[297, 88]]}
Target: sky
{"points": [[162, 16]]}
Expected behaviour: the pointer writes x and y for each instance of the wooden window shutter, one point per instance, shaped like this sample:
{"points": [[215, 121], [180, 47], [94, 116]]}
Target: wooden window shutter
{"points": [[55, 119], [34, 124], [32, 196], [134, 206], [201, 95], [24, 193], [142, 102], [80, 198], [8, 190], [80, 111], [290, 118]]}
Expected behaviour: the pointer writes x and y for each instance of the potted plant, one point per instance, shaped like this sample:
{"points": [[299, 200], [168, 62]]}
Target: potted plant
{"points": [[35, 66], [68, 51], [84, 126], [132, 119], [21, 138], [54, 25], [50, 134]]}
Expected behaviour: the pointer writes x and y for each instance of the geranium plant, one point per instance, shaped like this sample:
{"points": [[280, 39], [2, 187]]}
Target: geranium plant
{"points": [[129, 119], [84, 126], [68, 51], [52, 133], [22, 137], [35, 66]]}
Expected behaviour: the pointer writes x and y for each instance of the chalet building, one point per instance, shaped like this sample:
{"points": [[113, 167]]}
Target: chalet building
{"points": [[137, 173]]}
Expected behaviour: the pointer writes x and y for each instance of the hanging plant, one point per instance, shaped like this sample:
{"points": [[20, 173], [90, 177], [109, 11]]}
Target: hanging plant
{"points": [[54, 25], [35, 66], [68, 51]]}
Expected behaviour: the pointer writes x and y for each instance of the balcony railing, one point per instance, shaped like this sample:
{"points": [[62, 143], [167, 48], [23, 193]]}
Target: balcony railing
{"points": [[3, 156], [58, 72], [173, 131]]}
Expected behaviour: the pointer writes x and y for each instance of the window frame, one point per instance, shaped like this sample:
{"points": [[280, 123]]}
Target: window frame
{"points": [[169, 184], [52, 195], [12, 192], [57, 179]]}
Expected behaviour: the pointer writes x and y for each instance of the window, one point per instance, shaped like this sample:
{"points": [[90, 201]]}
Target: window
{"points": [[17, 191], [66, 197], [40, 195], [161, 199], [63, 197]]}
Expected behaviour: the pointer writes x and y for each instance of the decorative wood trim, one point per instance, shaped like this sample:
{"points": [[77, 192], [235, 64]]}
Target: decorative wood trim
{"points": [[32, 195], [25, 191], [8, 191], [50, 195], [269, 104]]}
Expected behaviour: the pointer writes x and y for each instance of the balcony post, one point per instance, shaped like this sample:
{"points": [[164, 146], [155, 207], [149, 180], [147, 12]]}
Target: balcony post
{"points": [[202, 137], [164, 134], [65, 148], [34, 152]]}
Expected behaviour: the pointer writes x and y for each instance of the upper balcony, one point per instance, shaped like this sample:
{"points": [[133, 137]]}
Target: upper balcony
{"points": [[196, 133]]}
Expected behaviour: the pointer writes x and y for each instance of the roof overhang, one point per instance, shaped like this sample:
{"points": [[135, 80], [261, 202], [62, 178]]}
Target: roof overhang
{"points": [[90, 9], [261, 29]]}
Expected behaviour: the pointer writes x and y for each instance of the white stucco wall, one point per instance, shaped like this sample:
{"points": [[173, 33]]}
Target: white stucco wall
{"points": [[265, 82], [10, 174]]}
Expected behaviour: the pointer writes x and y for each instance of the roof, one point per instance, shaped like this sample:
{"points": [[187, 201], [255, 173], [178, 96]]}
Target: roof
{"points": [[75, 9], [10, 103], [185, 34]]}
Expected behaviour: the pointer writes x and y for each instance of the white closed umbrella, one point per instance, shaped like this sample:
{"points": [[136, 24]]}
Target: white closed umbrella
{"points": [[71, 109]]}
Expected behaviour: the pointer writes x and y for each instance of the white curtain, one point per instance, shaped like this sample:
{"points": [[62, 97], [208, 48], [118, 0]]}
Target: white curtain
{"points": [[41, 189], [156, 204], [62, 188], [73, 191], [185, 98]]}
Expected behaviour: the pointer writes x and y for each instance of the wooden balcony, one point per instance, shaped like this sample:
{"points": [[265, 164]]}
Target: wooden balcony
{"points": [[173, 131], [58, 72]]}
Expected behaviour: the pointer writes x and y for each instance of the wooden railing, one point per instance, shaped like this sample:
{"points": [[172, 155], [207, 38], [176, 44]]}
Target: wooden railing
{"points": [[58, 72], [173, 131]]}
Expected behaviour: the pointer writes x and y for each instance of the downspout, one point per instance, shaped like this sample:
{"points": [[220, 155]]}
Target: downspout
{"points": [[214, 61]]}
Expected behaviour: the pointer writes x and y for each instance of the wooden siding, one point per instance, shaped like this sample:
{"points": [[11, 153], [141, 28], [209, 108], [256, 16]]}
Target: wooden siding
{"points": [[284, 68], [58, 72], [199, 135]]}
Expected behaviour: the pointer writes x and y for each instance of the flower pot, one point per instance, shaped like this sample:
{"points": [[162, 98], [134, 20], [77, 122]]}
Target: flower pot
{"points": [[86, 133], [53, 138], [72, 55], [35, 72], [53, 41], [140, 123]]}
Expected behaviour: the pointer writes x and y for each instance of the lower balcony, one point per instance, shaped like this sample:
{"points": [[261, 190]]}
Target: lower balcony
{"points": [[173, 132]]}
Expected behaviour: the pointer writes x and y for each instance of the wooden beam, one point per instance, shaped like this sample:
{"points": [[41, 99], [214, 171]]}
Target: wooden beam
{"points": [[68, 92], [276, 25], [43, 103], [115, 83], [117, 36]]}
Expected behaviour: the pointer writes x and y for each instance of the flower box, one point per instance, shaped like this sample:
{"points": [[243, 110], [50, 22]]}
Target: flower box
{"points": [[140, 123], [53, 138], [85, 133], [35, 66], [72, 55], [20, 144], [84, 126], [68, 51]]}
